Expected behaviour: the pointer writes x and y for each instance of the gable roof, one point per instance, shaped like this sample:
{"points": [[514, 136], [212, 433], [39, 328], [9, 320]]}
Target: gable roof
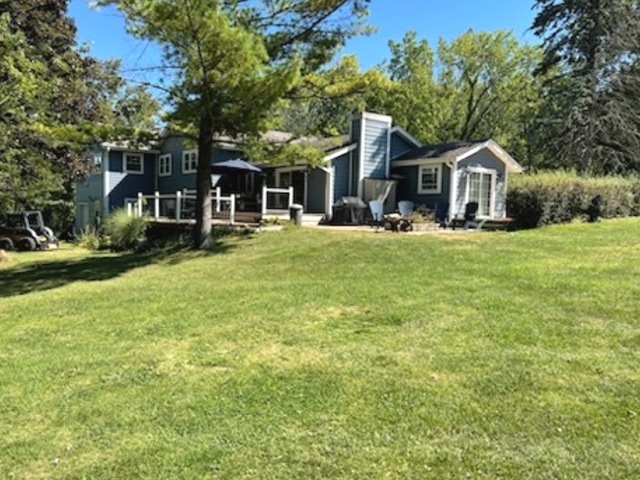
{"points": [[451, 150], [398, 130], [456, 151]]}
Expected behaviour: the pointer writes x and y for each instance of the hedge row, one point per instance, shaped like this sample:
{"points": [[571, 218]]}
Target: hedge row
{"points": [[534, 200]]}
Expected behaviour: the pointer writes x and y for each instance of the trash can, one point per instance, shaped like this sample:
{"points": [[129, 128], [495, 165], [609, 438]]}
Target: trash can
{"points": [[295, 213]]}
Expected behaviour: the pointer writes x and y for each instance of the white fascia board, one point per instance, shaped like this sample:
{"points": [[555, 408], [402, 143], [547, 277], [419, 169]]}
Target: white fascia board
{"points": [[340, 152], [500, 154], [121, 148], [420, 161], [406, 135]]}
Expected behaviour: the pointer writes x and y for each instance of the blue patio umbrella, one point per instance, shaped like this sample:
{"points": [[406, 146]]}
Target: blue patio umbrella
{"points": [[234, 166]]}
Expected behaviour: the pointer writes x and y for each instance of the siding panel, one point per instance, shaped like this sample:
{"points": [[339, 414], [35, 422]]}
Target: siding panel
{"points": [[408, 186], [375, 149]]}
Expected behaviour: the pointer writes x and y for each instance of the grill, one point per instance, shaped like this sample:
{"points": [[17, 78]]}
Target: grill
{"points": [[349, 211]]}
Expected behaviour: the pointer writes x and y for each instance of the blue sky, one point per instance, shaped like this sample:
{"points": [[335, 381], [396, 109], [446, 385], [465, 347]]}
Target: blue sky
{"points": [[104, 29]]}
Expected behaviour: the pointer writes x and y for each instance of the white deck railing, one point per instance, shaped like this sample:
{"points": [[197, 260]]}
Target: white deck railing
{"points": [[180, 206], [276, 201]]}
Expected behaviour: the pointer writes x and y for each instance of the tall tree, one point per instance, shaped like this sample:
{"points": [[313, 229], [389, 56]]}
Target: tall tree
{"points": [[54, 100], [235, 61], [487, 84], [412, 97], [595, 46]]}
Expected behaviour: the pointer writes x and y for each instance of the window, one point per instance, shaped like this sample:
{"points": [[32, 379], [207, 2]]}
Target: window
{"points": [[133, 163], [430, 179], [189, 161], [480, 189], [164, 165]]}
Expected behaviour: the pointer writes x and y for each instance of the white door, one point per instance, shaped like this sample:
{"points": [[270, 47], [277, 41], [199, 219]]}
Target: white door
{"points": [[481, 186]]}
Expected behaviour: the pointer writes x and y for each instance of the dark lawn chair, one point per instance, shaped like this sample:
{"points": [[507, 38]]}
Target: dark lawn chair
{"points": [[377, 213], [442, 214], [470, 214]]}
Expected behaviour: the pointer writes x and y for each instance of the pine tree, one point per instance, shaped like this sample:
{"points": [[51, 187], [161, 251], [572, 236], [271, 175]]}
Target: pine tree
{"points": [[594, 94], [235, 62]]}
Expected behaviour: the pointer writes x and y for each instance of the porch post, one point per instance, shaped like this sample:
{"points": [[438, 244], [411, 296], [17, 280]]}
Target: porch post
{"points": [[178, 205], [156, 205], [290, 196], [232, 209], [264, 200], [218, 194], [140, 204]]}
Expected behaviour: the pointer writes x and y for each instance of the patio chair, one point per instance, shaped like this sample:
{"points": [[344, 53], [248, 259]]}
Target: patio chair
{"points": [[442, 214], [377, 213], [470, 213], [405, 207]]}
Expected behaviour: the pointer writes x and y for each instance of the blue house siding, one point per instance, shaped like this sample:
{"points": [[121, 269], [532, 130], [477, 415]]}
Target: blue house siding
{"points": [[122, 185], [399, 145], [178, 181], [90, 193], [341, 176], [316, 191], [408, 186], [375, 147], [483, 159]]}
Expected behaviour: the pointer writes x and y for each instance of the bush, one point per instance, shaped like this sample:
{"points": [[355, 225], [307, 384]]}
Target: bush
{"points": [[125, 232], [558, 197], [88, 239]]}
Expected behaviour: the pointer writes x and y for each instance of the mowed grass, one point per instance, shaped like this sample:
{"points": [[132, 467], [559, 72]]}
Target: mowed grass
{"points": [[313, 354]]}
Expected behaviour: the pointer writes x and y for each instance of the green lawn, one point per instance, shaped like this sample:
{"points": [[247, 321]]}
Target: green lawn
{"points": [[327, 354]]}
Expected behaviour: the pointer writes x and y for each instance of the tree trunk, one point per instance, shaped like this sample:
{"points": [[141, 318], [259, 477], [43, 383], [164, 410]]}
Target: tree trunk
{"points": [[202, 232]]}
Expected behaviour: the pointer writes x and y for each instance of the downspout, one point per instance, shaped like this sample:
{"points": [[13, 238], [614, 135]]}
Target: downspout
{"points": [[453, 187], [360, 189], [157, 170]]}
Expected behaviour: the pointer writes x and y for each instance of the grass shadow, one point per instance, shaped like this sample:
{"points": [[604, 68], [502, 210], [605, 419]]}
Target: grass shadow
{"points": [[47, 275]]}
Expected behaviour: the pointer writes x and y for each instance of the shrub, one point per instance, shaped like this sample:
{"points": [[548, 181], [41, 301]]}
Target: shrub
{"points": [[125, 231], [88, 239], [557, 197]]}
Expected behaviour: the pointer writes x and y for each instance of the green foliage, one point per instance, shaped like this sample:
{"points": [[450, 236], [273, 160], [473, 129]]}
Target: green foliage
{"points": [[125, 232], [55, 100], [89, 239], [558, 197], [594, 47]]}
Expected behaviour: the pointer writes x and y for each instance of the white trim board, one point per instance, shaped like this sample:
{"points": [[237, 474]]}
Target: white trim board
{"points": [[406, 135], [340, 152], [498, 151]]}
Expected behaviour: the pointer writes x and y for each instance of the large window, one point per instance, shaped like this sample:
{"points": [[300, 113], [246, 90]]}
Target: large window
{"points": [[480, 188], [164, 165], [430, 179], [189, 161], [133, 163]]}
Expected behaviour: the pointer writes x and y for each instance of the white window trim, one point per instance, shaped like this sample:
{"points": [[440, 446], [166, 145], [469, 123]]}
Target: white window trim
{"points": [[124, 163], [430, 191], [492, 200], [160, 159], [184, 158]]}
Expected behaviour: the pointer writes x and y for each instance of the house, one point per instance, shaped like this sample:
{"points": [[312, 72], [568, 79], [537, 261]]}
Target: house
{"points": [[376, 160]]}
